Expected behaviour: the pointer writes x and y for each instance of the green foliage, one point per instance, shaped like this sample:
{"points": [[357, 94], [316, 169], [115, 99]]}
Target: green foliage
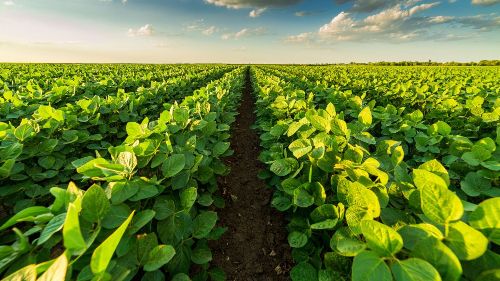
{"points": [[407, 160]]}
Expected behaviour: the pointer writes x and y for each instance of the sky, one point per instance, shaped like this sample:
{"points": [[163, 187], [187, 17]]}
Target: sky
{"points": [[248, 31]]}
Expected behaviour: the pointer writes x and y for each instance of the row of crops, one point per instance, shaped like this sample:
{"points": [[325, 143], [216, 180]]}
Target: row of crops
{"points": [[109, 172], [385, 173]]}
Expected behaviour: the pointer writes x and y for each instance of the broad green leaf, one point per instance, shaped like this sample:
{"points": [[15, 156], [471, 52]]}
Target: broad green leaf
{"points": [[54, 225], [201, 254], [303, 272], [437, 168], [57, 271], [367, 266], [382, 239], [203, 224], [27, 273], [173, 165], [414, 233], [474, 184], [440, 257], [103, 253], [116, 216], [414, 269], [440, 204], [486, 218], [220, 148], [423, 178], [300, 147], [297, 239], [140, 220], [302, 198], [188, 197], [72, 235], [95, 204], [159, 256], [283, 167], [345, 243], [466, 242], [26, 213], [365, 117]]}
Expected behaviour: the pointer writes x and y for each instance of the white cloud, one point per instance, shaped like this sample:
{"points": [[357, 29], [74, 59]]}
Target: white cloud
{"points": [[392, 23], [245, 32], [9, 3], [399, 23], [202, 27], [302, 13], [210, 30], [485, 2], [146, 30], [440, 19], [255, 13], [301, 38], [238, 4]]}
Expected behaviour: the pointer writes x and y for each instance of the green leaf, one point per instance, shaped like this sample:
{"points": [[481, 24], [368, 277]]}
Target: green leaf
{"points": [[345, 243], [490, 275], [302, 198], [326, 224], [181, 277], [203, 224], [26, 213], [173, 165], [300, 147], [54, 225], [440, 257], [303, 272], [365, 117], [414, 269], [117, 215], [121, 191], [466, 242], [95, 204], [57, 271], [486, 218], [440, 127], [440, 204], [382, 239], [220, 148], [367, 266], [437, 168], [158, 257], [423, 178], [140, 220], [27, 273], [72, 235], [474, 184], [103, 253], [297, 239], [6, 168], [414, 233], [188, 197], [201, 254], [24, 131], [283, 167]]}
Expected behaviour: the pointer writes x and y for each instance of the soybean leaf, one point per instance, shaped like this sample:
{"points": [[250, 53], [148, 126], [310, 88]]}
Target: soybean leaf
{"points": [[368, 266], [103, 253], [158, 257]]}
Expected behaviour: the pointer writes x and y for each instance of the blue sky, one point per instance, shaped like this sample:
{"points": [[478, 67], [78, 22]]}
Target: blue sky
{"points": [[248, 31]]}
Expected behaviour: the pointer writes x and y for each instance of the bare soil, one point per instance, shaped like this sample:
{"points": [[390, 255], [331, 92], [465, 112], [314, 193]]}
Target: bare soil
{"points": [[255, 246]]}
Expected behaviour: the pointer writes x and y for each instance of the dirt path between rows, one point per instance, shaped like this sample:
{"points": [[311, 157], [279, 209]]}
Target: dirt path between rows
{"points": [[255, 246]]}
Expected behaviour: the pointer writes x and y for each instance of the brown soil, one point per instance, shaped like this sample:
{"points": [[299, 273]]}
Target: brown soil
{"points": [[255, 246]]}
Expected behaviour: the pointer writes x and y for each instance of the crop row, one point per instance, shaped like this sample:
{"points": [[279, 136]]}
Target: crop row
{"points": [[376, 185], [144, 204]]}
